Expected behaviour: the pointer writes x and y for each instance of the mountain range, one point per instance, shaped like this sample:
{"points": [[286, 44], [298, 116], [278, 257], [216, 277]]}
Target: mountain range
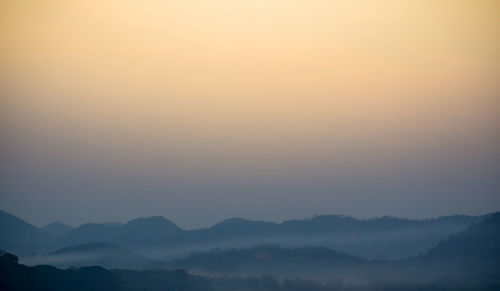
{"points": [[157, 237], [472, 255], [468, 260]]}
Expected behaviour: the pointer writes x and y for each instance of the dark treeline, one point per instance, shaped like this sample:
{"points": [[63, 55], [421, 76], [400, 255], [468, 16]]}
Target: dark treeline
{"points": [[17, 277], [14, 277]]}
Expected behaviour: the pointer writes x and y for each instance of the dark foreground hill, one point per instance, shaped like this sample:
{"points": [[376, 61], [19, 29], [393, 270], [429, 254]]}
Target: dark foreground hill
{"points": [[16, 277]]}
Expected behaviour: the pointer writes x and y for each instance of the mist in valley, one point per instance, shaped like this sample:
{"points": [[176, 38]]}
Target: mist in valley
{"points": [[320, 253]]}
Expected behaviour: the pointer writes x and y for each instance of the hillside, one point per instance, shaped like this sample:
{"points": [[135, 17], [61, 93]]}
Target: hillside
{"points": [[14, 276], [269, 259], [469, 258], [93, 254], [16, 235], [377, 238], [481, 241]]}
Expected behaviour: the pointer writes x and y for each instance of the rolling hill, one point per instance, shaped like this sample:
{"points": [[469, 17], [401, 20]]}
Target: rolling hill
{"points": [[93, 254], [377, 238]]}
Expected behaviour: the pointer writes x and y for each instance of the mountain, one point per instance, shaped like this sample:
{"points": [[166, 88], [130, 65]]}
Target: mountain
{"points": [[149, 232], [88, 233], [233, 228], [16, 235], [377, 238], [481, 241], [138, 233], [93, 254], [468, 260], [56, 229], [269, 259], [473, 253]]}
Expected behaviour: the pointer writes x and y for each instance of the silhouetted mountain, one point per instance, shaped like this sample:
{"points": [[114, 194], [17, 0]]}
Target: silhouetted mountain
{"points": [[148, 232], [88, 233], [57, 229], [138, 233], [481, 241], [16, 235], [469, 260], [379, 238], [471, 255], [93, 254]]}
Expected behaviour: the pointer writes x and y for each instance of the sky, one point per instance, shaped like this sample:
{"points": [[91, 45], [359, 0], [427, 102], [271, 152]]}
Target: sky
{"points": [[202, 110]]}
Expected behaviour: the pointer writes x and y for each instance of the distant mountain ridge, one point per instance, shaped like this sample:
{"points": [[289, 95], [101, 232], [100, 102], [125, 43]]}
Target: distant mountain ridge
{"points": [[384, 237], [472, 255], [57, 229], [467, 260], [141, 232], [405, 237]]}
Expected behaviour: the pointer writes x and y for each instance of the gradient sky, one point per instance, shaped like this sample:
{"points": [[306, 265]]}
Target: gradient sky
{"points": [[201, 110]]}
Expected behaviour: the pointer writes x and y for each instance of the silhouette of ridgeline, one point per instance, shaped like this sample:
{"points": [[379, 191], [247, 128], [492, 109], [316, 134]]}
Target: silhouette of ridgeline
{"points": [[469, 260], [380, 238]]}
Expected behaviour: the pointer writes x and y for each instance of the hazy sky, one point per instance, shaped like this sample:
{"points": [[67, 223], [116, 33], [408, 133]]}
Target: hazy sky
{"points": [[202, 110]]}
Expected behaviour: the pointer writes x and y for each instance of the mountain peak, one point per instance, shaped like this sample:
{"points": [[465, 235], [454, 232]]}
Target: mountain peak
{"points": [[17, 234], [56, 228]]}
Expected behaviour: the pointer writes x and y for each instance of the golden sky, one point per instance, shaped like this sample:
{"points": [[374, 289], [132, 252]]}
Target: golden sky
{"points": [[246, 83]]}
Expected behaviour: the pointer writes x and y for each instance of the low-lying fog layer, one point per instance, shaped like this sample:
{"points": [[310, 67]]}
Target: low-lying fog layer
{"points": [[387, 244]]}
